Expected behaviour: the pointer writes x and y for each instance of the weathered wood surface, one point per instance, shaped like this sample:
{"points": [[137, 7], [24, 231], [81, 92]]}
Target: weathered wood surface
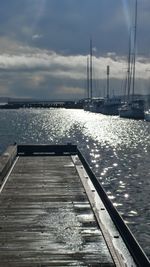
{"points": [[6, 160], [46, 219]]}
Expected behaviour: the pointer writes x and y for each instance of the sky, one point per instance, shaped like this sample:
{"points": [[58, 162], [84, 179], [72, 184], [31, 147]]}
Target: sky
{"points": [[44, 46]]}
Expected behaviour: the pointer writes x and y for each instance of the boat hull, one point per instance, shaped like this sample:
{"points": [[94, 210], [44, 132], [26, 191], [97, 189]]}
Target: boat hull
{"points": [[106, 107], [147, 116], [132, 114], [110, 109]]}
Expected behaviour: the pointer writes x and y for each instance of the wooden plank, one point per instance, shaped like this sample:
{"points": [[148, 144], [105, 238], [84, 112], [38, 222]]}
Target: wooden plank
{"points": [[46, 219], [31, 149], [6, 160]]}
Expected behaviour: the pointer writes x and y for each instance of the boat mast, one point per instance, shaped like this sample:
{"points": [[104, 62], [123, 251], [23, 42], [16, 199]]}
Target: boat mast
{"points": [[129, 71], [134, 51], [91, 83], [88, 84], [107, 82]]}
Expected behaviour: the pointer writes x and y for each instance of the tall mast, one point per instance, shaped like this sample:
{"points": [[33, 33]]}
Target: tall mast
{"points": [[129, 70], [88, 84], [107, 82], [134, 51], [91, 78]]}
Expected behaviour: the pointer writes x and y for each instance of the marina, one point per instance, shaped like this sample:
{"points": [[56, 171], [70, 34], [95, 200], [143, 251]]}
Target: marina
{"points": [[55, 213], [74, 133]]}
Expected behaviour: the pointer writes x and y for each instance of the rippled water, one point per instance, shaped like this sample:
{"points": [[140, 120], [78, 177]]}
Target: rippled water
{"points": [[118, 151]]}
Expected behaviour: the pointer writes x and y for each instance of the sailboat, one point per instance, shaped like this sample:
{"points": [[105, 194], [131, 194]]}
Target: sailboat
{"points": [[110, 104], [133, 108], [88, 106], [92, 104]]}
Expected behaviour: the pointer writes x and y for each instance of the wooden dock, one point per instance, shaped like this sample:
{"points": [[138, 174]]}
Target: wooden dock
{"points": [[51, 214]]}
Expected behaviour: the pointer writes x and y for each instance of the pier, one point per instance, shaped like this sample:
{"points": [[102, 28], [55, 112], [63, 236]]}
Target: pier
{"points": [[54, 212]]}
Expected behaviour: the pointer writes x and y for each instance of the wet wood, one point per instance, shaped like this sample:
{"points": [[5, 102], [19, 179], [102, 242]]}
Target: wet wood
{"points": [[6, 160], [46, 219]]}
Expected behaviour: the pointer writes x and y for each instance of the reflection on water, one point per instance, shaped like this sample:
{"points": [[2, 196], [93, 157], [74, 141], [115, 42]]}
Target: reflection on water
{"points": [[117, 149]]}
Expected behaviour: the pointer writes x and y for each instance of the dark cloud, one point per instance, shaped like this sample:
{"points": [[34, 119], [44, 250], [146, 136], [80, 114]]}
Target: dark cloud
{"points": [[38, 36], [66, 25]]}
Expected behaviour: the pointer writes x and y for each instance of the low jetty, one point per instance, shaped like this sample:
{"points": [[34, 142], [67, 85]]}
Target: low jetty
{"points": [[54, 212], [43, 104]]}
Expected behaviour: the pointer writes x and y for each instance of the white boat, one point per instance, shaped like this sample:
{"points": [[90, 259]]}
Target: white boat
{"points": [[147, 115], [132, 108]]}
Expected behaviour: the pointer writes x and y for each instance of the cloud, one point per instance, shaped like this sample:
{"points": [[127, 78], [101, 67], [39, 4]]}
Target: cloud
{"points": [[69, 66], [44, 46], [36, 36], [74, 92], [33, 72]]}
